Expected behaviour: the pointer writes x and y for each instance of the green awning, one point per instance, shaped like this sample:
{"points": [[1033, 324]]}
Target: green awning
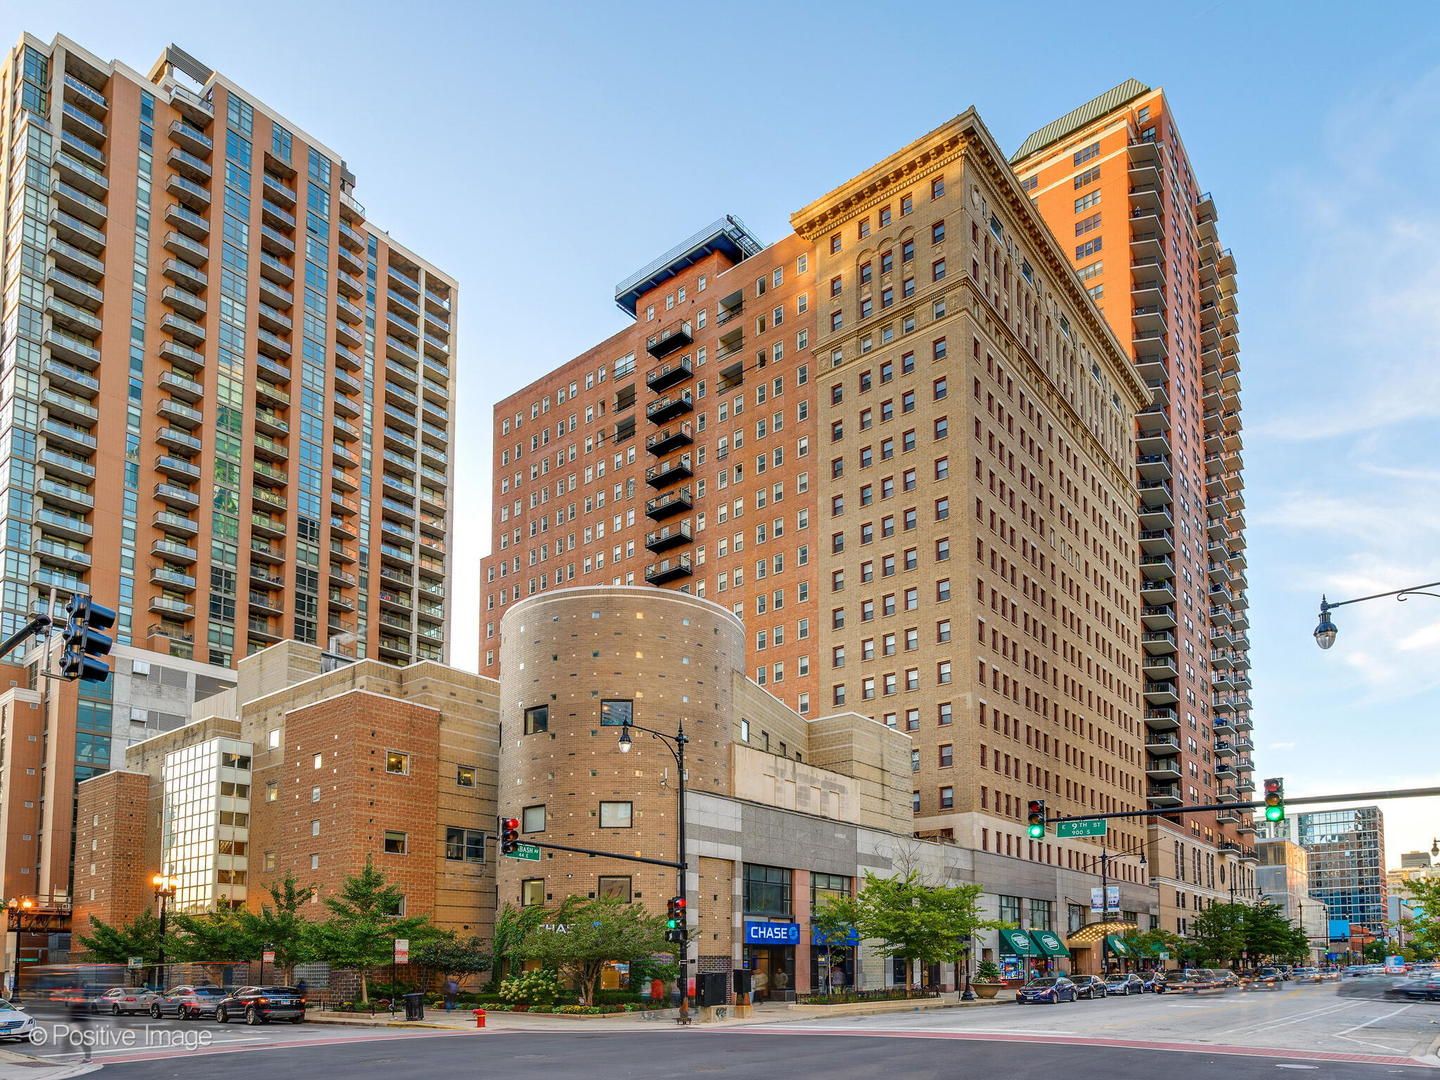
{"points": [[1019, 943], [1049, 943], [1117, 945]]}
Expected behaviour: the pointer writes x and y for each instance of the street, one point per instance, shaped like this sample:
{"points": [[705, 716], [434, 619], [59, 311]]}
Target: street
{"points": [[1300, 1028]]}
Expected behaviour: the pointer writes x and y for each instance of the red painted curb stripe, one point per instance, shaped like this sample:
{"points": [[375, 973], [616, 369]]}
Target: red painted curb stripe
{"points": [[160, 1053], [1079, 1040]]}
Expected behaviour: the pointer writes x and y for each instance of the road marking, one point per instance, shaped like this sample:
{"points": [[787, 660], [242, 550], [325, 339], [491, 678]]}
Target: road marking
{"points": [[1298, 1018], [1367, 1042]]}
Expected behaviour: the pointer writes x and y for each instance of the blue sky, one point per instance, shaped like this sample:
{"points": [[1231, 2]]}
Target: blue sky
{"points": [[542, 151]]}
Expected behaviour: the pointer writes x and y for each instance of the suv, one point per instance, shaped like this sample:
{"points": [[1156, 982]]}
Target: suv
{"points": [[261, 1004], [187, 1002]]}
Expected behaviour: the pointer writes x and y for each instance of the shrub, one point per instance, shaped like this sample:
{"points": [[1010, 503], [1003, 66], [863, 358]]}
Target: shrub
{"points": [[987, 971], [539, 988]]}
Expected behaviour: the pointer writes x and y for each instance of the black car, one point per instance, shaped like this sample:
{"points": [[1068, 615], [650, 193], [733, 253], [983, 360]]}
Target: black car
{"points": [[1124, 985], [261, 1004], [187, 1002], [1419, 989], [1089, 987]]}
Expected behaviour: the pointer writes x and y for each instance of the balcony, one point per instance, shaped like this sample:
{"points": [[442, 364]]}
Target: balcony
{"points": [[84, 177], [1157, 567], [275, 295], [70, 557], [276, 242], [182, 356], [276, 269], [1158, 616], [1156, 542], [1161, 693], [277, 189], [74, 201], [676, 336], [68, 407], [191, 195], [275, 215], [176, 496], [1155, 492], [76, 350], [82, 124], [667, 472], [665, 409], [1157, 642], [190, 166], [177, 524], [183, 329], [191, 138], [266, 551], [1160, 666], [671, 536], [267, 601], [668, 570], [174, 579], [1153, 419], [1162, 768], [665, 376], [272, 345], [265, 525], [69, 525], [170, 606], [178, 468], [175, 552], [676, 502], [1164, 795], [179, 413]]}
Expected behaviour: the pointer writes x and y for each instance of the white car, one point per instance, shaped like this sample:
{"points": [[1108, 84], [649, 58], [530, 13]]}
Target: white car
{"points": [[126, 999], [15, 1023]]}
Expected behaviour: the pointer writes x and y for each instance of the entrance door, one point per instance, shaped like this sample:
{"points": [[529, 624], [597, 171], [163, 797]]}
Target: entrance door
{"points": [[774, 970]]}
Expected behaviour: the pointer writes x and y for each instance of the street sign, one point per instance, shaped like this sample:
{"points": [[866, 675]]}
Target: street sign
{"points": [[402, 950], [1089, 827], [528, 852], [136, 962], [268, 956]]}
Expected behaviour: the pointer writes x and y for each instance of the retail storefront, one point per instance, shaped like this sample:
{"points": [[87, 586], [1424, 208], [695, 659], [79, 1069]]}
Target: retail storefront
{"points": [[1018, 955], [837, 958], [770, 954]]}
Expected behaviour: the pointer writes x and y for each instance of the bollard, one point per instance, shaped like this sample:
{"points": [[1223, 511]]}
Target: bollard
{"points": [[479, 1018]]}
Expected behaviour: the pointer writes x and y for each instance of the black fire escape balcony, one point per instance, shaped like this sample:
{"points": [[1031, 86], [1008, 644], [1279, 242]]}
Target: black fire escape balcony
{"points": [[662, 442], [665, 376], [667, 472], [671, 536], [664, 506], [668, 570], [675, 336], [668, 408]]}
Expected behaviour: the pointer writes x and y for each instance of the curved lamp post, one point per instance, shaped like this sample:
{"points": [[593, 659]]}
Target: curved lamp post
{"points": [[165, 887], [1325, 629]]}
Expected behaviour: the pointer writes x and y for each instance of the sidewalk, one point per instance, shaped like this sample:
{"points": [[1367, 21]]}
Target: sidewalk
{"points": [[16, 1066], [463, 1019]]}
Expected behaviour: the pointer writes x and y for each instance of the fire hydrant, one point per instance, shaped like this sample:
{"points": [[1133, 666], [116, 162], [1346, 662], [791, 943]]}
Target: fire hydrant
{"points": [[479, 1018]]}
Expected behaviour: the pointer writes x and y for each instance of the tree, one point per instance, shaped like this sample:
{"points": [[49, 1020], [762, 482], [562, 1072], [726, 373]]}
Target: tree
{"points": [[582, 935], [932, 924], [1269, 933], [361, 932], [453, 956], [117, 944], [512, 926], [213, 940], [279, 926], [1218, 933], [1424, 931], [1153, 942], [830, 926]]}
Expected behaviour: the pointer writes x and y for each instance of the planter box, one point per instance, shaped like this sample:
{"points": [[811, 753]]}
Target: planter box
{"points": [[860, 1008], [987, 989]]}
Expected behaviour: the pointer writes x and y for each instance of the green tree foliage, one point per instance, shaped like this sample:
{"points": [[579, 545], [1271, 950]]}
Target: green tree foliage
{"points": [[830, 925], [213, 940], [450, 955], [361, 931], [1270, 935], [1218, 934], [932, 924], [108, 944], [582, 935], [1423, 935], [1231, 934], [279, 926], [1152, 943], [512, 926]]}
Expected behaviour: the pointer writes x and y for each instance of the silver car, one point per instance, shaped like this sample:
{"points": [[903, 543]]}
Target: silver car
{"points": [[120, 1000]]}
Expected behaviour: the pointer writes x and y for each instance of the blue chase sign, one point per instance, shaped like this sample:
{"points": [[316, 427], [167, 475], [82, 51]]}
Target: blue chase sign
{"points": [[772, 933]]}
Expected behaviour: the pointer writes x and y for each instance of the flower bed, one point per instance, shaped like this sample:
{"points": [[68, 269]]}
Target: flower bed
{"points": [[573, 1010], [848, 997]]}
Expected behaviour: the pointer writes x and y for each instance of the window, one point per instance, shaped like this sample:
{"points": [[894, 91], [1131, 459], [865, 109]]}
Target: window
{"points": [[532, 819], [537, 719], [318, 761], [613, 888], [272, 790], [272, 738], [465, 775], [947, 798], [1089, 176], [947, 755], [464, 845], [314, 861], [1082, 156], [1010, 909], [615, 815], [532, 892], [396, 843], [616, 713], [397, 763], [937, 187], [767, 890], [937, 232]]}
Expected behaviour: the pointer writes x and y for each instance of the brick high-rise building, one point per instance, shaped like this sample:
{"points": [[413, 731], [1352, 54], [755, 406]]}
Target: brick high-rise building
{"points": [[228, 393], [897, 443], [226, 411], [1115, 184]]}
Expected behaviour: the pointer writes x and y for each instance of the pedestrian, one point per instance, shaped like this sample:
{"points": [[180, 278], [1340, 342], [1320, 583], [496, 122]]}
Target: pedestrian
{"points": [[452, 991], [837, 979], [302, 988]]}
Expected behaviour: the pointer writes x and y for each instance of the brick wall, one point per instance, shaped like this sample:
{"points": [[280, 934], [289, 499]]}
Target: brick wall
{"points": [[113, 862]]}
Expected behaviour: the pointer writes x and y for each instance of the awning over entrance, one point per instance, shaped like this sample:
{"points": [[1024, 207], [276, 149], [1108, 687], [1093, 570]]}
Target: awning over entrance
{"points": [[1049, 943], [1117, 945], [1019, 943], [1090, 935]]}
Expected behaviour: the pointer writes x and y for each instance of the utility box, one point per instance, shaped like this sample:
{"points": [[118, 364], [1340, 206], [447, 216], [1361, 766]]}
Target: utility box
{"points": [[743, 982], [711, 988]]}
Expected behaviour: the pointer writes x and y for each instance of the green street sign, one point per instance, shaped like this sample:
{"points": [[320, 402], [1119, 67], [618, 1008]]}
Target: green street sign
{"points": [[528, 852], [1090, 827]]}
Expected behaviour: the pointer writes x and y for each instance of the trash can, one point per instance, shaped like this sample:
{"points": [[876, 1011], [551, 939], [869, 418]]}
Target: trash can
{"points": [[414, 1006]]}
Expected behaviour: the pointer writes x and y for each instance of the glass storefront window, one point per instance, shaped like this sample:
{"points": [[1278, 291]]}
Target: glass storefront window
{"points": [[767, 890]]}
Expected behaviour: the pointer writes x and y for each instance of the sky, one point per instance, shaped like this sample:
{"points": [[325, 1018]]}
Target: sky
{"points": [[542, 151]]}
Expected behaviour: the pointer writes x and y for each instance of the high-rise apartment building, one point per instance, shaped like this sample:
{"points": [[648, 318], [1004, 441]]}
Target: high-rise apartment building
{"points": [[1345, 850], [1116, 186], [226, 412], [899, 445], [227, 393]]}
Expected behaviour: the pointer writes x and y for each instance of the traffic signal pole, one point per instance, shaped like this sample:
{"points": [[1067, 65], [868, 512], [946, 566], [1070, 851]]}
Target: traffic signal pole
{"points": [[1304, 800]]}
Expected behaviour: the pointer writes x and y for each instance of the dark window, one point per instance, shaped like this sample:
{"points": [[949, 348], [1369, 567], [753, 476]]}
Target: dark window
{"points": [[616, 713], [464, 845], [614, 888], [537, 719], [767, 890]]}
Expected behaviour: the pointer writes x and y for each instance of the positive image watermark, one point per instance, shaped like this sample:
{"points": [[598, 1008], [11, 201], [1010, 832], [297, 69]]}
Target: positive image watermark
{"points": [[86, 1038]]}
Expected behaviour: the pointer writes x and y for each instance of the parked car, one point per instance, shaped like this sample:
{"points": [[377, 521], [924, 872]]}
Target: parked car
{"points": [[1124, 985], [1168, 981], [261, 1004], [15, 1023], [1045, 990], [1152, 981], [1305, 974], [1265, 978], [1194, 980], [1223, 977], [119, 1000], [187, 1002], [1089, 987]]}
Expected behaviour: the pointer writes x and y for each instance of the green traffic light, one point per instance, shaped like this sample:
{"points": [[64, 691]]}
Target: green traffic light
{"points": [[1037, 831], [1274, 813], [672, 924]]}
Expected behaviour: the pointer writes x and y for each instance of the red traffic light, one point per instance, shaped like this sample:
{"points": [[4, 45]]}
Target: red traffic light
{"points": [[511, 824]]}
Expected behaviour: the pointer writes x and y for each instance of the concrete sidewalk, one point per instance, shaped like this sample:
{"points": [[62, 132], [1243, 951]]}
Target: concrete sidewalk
{"points": [[17, 1066]]}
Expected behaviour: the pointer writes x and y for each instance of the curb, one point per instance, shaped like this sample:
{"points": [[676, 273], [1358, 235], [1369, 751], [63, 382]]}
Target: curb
{"points": [[14, 1066]]}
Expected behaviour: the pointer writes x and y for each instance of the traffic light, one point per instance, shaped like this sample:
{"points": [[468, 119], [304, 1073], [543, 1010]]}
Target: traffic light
{"points": [[509, 835], [85, 640], [1275, 799], [1037, 818], [675, 920]]}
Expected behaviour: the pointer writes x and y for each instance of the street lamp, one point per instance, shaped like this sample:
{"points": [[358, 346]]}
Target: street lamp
{"points": [[1325, 629], [1105, 857], [676, 745], [164, 886], [17, 905]]}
